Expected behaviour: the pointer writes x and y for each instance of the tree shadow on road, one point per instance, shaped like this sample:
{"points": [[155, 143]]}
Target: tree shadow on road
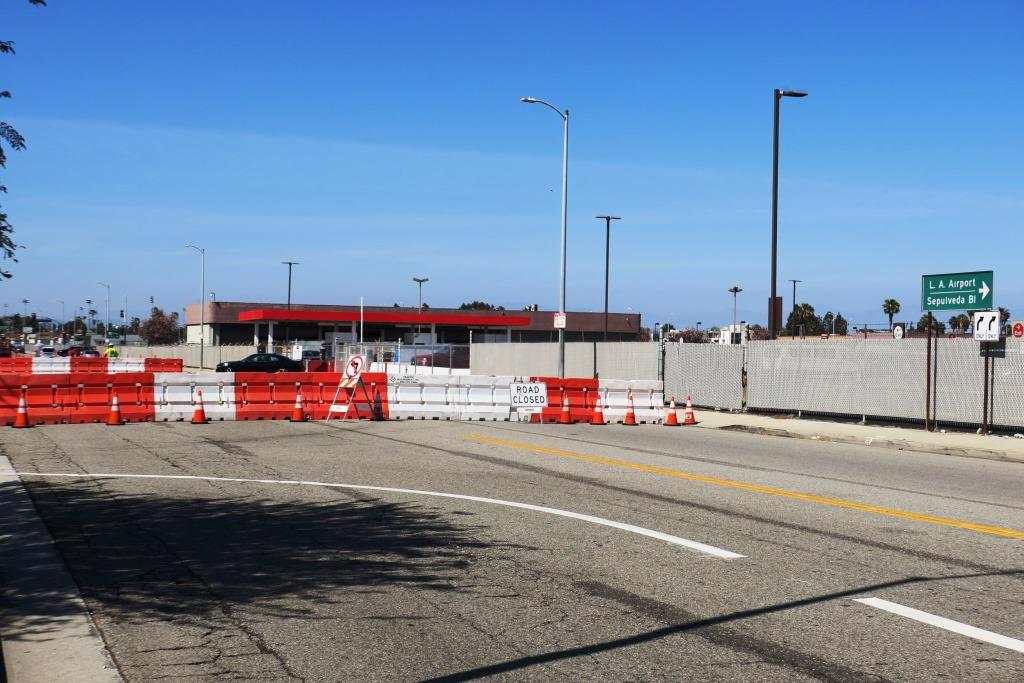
{"points": [[154, 556]]}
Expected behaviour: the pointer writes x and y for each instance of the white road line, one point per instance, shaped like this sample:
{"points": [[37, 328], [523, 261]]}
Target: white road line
{"points": [[661, 536], [942, 622]]}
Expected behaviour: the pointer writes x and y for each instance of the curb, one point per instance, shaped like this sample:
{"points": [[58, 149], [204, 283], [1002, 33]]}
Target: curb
{"points": [[877, 442]]}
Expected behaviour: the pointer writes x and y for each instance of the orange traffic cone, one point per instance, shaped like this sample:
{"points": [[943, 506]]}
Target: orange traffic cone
{"points": [[598, 417], [630, 419], [114, 416], [21, 420], [564, 418], [199, 416], [297, 415], [672, 420], [688, 417]]}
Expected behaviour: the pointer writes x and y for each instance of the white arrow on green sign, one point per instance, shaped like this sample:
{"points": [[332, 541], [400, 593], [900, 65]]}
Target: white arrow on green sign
{"points": [[957, 291]]}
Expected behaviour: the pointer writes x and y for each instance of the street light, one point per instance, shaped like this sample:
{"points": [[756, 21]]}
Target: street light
{"points": [[792, 332], [202, 302], [565, 215], [773, 324], [420, 281], [607, 257], [62, 320], [106, 330], [735, 290]]}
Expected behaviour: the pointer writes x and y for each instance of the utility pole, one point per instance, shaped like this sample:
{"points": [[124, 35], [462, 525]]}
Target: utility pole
{"points": [[607, 258], [773, 324], [735, 290], [792, 332]]}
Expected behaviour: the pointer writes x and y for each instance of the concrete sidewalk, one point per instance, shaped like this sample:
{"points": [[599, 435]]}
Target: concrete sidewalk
{"points": [[965, 444]]}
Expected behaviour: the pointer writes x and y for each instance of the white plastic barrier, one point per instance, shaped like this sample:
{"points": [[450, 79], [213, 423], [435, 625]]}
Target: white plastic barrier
{"points": [[481, 397], [50, 366], [126, 365], [648, 399], [412, 397], [175, 392]]}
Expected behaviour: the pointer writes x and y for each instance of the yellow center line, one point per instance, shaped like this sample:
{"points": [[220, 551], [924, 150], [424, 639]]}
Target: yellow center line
{"points": [[756, 488]]}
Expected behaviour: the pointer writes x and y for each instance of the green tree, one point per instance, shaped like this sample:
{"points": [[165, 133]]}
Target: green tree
{"points": [[1004, 318], [826, 322], [691, 335], [842, 326], [937, 326], [160, 328], [960, 322], [757, 332], [890, 307], [10, 135], [480, 306], [803, 318]]}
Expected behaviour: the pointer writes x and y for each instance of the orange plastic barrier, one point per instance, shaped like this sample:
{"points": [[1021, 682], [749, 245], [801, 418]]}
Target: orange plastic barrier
{"points": [[263, 396], [21, 365], [87, 396], [91, 365], [582, 395], [42, 395], [164, 364]]}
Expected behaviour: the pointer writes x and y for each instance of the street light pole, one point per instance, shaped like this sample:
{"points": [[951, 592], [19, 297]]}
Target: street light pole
{"points": [[420, 281], [202, 302], [287, 330], [735, 290], [773, 324], [565, 216], [792, 332], [62, 320], [106, 330], [607, 258]]}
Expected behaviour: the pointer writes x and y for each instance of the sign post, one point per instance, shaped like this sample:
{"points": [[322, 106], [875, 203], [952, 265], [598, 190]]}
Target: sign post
{"points": [[952, 292]]}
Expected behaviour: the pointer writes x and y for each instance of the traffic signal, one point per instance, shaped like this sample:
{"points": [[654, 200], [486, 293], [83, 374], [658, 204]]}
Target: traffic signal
{"points": [[122, 313], [150, 300]]}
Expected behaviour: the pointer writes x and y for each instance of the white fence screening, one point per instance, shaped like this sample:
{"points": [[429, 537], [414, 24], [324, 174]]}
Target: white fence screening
{"points": [[615, 360], [886, 378], [711, 374]]}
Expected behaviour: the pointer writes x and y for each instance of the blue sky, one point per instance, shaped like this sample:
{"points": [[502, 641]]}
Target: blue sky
{"points": [[374, 142]]}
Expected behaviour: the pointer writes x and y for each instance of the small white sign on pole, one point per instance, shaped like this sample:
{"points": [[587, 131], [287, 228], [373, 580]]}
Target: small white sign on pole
{"points": [[559, 321], [987, 326], [529, 397]]}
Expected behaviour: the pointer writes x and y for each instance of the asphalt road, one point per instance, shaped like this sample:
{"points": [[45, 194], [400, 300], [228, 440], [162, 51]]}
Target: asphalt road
{"points": [[207, 578]]}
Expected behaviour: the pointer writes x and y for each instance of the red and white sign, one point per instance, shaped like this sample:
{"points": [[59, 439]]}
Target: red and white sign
{"points": [[559, 321], [1018, 329], [354, 366]]}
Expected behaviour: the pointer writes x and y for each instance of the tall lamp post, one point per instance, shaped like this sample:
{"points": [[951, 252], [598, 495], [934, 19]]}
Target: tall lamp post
{"points": [[62, 320], [773, 324], [106, 330], [287, 331], [792, 332], [732, 330], [202, 301], [607, 258], [565, 214], [420, 281]]}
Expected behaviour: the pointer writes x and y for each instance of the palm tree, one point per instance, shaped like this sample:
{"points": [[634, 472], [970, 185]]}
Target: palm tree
{"points": [[1004, 317], [890, 307]]}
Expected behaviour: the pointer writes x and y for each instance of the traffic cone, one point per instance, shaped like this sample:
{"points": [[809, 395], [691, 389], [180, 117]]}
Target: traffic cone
{"points": [[688, 417], [672, 420], [598, 417], [114, 417], [199, 416], [564, 418], [297, 415], [21, 420], [630, 419]]}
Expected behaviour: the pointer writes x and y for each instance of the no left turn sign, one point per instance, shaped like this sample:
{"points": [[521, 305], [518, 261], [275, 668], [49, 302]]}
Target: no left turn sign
{"points": [[354, 366]]}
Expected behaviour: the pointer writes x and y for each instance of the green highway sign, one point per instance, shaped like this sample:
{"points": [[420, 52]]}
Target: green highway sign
{"points": [[957, 291]]}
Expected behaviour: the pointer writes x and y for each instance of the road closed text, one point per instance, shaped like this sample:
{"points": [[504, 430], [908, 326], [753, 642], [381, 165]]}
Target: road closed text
{"points": [[529, 395]]}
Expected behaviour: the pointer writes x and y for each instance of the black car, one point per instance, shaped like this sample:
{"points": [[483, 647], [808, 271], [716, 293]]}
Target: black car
{"points": [[262, 362]]}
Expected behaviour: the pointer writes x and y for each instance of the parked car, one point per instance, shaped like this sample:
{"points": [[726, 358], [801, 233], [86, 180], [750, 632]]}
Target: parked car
{"points": [[18, 346], [262, 362], [79, 350], [445, 357], [46, 352]]}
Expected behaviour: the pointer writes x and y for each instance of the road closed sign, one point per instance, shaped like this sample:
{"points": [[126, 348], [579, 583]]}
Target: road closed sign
{"points": [[529, 397]]}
